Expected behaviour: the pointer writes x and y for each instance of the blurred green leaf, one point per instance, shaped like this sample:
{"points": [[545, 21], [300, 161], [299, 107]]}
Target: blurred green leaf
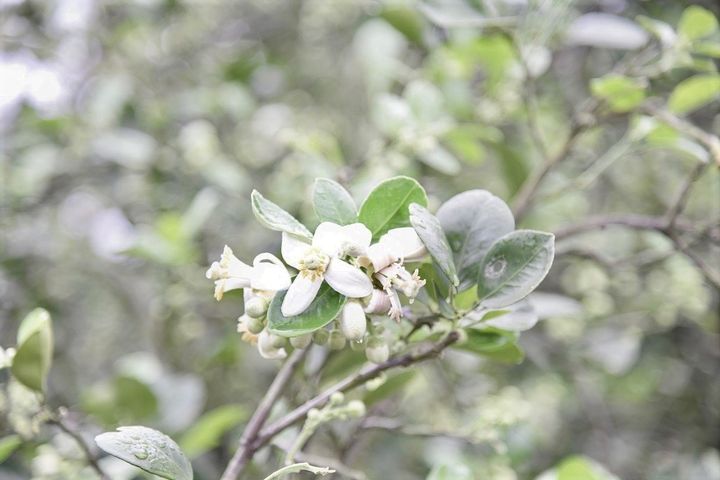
{"points": [[432, 235], [275, 218], [454, 471], [621, 93], [693, 93], [333, 203], [147, 449], [386, 207], [514, 266], [8, 445], [495, 344], [208, 430], [697, 22], [33, 358], [391, 386], [472, 221], [322, 310]]}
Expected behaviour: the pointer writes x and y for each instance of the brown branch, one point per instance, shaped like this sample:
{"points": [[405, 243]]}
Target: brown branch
{"points": [[245, 449], [60, 421], [349, 383]]}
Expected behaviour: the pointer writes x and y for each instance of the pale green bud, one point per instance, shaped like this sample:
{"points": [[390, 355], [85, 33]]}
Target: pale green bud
{"points": [[353, 323], [337, 398], [278, 341], [358, 346], [320, 336], [302, 341], [377, 351], [356, 408], [255, 325], [256, 307], [336, 340]]}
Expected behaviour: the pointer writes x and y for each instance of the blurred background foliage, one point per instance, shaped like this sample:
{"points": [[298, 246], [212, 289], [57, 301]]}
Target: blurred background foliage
{"points": [[134, 131]]}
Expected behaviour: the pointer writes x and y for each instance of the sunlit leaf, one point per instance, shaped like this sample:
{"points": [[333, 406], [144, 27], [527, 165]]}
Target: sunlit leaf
{"points": [[693, 93], [697, 22], [386, 207], [621, 93], [208, 430], [333, 203], [33, 358]]}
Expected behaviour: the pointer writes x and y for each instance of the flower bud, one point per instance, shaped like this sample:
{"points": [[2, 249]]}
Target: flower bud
{"points": [[379, 303], [337, 398], [278, 341], [336, 340], [353, 323], [266, 348], [356, 408], [302, 341], [357, 346], [256, 307], [254, 325], [313, 413], [320, 336], [377, 351]]}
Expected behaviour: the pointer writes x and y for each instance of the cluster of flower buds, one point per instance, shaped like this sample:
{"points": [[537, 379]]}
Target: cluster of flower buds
{"points": [[371, 276]]}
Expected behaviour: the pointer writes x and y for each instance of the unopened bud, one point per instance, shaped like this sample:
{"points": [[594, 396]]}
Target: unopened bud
{"points": [[320, 336], [357, 346], [256, 307], [377, 351], [302, 341], [353, 323], [336, 340], [278, 341], [356, 408], [254, 325], [337, 398]]}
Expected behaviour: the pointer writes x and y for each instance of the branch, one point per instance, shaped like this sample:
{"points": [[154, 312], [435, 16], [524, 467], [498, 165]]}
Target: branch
{"points": [[349, 383], [60, 421], [244, 452], [600, 222], [391, 425]]}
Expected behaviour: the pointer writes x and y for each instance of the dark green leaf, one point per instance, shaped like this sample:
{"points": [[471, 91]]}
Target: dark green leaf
{"points": [[514, 266], [386, 207], [333, 203], [321, 311], [472, 221], [431, 233]]}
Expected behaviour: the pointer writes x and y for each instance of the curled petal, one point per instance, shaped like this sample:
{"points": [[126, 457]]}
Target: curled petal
{"points": [[404, 243], [356, 239], [301, 294], [269, 273], [348, 280], [266, 348], [226, 284], [379, 303], [328, 238], [380, 256], [293, 249]]}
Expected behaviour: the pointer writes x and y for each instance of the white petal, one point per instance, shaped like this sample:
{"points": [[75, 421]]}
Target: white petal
{"points": [[356, 238], [300, 295], [404, 243], [348, 280], [267, 350], [293, 249], [353, 323], [328, 238], [379, 303], [380, 256], [269, 273]]}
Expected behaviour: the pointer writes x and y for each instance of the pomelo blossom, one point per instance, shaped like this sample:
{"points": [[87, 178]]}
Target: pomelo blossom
{"points": [[266, 273], [323, 260], [387, 257]]}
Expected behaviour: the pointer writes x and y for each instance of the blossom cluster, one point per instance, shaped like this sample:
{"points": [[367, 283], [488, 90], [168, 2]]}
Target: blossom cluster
{"points": [[371, 276]]}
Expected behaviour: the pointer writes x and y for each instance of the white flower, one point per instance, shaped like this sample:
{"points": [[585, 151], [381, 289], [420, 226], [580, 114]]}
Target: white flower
{"points": [[323, 260], [6, 357], [266, 273], [242, 327], [267, 349], [379, 303], [398, 244]]}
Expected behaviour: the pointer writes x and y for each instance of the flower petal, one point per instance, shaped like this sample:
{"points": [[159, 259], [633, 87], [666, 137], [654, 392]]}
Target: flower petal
{"points": [[404, 243], [266, 348], [328, 238], [348, 280], [293, 249], [269, 273], [300, 294], [356, 239]]}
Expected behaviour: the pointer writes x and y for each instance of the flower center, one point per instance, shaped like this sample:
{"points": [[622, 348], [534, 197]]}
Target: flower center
{"points": [[314, 263]]}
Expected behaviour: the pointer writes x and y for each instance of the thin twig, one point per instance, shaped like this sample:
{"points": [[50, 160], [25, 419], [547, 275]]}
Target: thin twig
{"points": [[351, 382], [244, 452], [678, 205], [60, 421]]}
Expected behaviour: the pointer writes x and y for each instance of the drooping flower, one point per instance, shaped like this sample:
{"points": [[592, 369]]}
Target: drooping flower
{"points": [[387, 257], [266, 273], [324, 260]]}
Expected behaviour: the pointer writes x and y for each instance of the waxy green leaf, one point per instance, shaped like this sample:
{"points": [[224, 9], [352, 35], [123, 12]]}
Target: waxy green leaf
{"points": [[472, 221], [275, 218], [386, 207], [321, 311], [147, 449], [432, 235], [332, 203], [514, 266]]}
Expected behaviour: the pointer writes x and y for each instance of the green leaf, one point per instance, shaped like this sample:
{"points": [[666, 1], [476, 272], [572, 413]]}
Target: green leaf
{"points": [[710, 49], [440, 159], [514, 266], [693, 93], [147, 449], [697, 22], [386, 207], [431, 233], [472, 221], [454, 471], [275, 218], [207, 431], [579, 467], [8, 445], [333, 203], [389, 387], [321, 311], [492, 343], [34, 350], [621, 93]]}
